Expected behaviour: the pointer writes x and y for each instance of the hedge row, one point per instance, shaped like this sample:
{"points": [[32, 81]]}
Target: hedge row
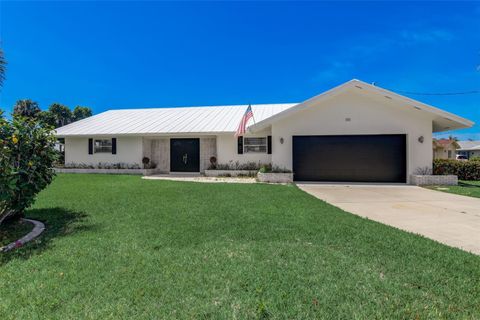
{"points": [[465, 170]]}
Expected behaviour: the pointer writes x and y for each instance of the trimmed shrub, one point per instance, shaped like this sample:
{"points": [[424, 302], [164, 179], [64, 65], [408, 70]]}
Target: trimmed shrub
{"points": [[273, 169], [107, 165], [27, 156], [465, 170], [235, 166]]}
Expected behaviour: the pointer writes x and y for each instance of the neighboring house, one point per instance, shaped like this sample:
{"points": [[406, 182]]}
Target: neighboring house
{"points": [[445, 148], [469, 149], [353, 132]]}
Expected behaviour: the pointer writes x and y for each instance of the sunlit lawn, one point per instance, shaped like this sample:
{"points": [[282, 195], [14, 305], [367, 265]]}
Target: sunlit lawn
{"points": [[119, 247], [465, 188]]}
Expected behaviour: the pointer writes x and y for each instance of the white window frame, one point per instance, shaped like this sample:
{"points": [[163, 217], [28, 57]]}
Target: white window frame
{"points": [[103, 149], [245, 145]]}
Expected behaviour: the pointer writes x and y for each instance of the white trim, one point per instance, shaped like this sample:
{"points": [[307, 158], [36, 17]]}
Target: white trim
{"points": [[360, 85]]}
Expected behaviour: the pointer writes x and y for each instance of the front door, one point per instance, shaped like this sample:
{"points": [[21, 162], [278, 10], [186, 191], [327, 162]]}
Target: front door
{"points": [[184, 155]]}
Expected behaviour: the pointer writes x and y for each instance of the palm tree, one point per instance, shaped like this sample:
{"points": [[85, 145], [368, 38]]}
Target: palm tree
{"points": [[3, 68], [26, 108]]}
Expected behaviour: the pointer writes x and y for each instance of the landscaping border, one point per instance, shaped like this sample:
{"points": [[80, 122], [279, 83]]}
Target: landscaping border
{"points": [[144, 172], [230, 173], [275, 177], [38, 228], [431, 180]]}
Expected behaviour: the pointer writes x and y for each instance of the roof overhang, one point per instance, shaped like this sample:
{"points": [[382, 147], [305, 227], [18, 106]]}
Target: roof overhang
{"points": [[442, 120]]}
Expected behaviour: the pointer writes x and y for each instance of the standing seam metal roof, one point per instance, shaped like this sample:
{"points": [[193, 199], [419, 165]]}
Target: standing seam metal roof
{"points": [[209, 119]]}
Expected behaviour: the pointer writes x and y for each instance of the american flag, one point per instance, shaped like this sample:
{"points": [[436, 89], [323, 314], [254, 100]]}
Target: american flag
{"points": [[243, 123]]}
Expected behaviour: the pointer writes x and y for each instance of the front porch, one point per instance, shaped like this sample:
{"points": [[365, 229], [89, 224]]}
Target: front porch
{"points": [[172, 157]]}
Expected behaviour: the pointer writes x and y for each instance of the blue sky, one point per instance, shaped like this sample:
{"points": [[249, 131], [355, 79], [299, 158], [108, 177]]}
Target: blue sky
{"points": [[153, 54]]}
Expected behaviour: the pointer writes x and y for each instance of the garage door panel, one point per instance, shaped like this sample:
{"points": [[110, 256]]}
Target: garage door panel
{"points": [[350, 158]]}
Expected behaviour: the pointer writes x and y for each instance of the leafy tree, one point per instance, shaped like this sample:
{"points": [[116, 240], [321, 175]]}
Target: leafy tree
{"points": [[61, 113], [27, 155], [47, 118], [26, 108], [3, 68], [80, 113]]}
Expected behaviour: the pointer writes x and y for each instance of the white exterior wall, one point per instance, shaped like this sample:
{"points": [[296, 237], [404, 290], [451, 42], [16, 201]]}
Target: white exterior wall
{"points": [[129, 150], [227, 150], [368, 116]]}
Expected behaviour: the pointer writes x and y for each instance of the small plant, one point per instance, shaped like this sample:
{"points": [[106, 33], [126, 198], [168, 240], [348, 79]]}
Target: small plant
{"points": [[106, 165], [213, 163], [250, 166], [265, 168], [423, 171], [273, 169], [146, 162]]}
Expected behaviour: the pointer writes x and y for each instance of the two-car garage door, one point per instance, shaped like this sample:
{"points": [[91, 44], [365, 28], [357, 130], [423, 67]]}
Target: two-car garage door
{"points": [[350, 158]]}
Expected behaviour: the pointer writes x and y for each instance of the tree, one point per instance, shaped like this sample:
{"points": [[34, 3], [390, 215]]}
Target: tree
{"points": [[47, 119], [27, 155], [80, 113], [61, 113], [3, 68], [26, 108]]}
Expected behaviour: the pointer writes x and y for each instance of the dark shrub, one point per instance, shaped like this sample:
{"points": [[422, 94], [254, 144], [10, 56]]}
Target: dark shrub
{"points": [[465, 170]]}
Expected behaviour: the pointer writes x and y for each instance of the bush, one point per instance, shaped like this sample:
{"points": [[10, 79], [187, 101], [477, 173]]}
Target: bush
{"points": [[465, 170], [107, 165], [273, 169], [27, 155], [147, 164], [252, 166]]}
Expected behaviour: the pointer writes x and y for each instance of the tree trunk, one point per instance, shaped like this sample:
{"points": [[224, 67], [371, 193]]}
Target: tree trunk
{"points": [[9, 215]]}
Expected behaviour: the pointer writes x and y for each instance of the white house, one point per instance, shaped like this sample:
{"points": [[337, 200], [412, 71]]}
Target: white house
{"points": [[353, 132], [469, 149]]}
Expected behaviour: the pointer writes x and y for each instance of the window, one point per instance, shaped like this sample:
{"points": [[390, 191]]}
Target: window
{"points": [[449, 154], [255, 145], [102, 146]]}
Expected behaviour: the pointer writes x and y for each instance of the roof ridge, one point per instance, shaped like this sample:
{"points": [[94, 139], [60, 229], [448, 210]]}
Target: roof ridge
{"points": [[214, 106]]}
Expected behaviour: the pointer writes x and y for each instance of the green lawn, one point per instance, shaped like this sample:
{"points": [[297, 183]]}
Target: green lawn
{"points": [[465, 188], [119, 247]]}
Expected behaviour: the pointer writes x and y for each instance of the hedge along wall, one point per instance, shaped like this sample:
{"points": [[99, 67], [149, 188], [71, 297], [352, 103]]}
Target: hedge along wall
{"points": [[465, 170]]}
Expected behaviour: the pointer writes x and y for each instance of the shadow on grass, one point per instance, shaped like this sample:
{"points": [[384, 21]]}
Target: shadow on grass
{"points": [[468, 185], [59, 222]]}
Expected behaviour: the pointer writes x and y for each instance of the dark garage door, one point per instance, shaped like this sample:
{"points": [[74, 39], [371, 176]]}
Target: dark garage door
{"points": [[350, 158]]}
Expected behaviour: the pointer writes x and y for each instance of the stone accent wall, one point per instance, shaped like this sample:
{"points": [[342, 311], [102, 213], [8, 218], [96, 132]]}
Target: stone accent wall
{"points": [[273, 177], [160, 151], [431, 180], [208, 148], [147, 148]]}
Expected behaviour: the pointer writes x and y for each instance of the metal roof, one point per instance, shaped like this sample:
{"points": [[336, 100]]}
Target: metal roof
{"points": [[469, 145], [184, 120], [225, 119]]}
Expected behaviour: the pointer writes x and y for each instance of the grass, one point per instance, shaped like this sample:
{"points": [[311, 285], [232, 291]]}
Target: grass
{"points": [[11, 231], [119, 247], [464, 188]]}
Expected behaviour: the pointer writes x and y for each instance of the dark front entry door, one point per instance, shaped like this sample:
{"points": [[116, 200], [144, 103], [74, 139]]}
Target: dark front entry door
{"points": [[184, 155], [350, 158]]}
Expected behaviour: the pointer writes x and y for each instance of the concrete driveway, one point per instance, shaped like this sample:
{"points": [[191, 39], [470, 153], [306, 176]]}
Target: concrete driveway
{"points": [[450, 219]]}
